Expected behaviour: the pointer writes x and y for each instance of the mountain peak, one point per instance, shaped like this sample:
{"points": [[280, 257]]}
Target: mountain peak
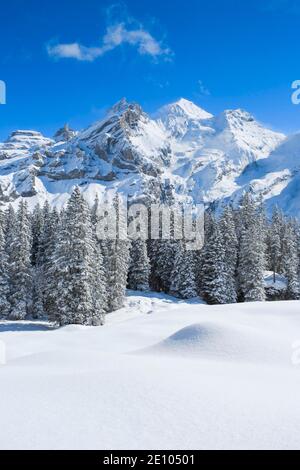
{"points": [[235, 119], [123, 106], [183, 108], [27, 138], [239, 114], [21, 142], [64, 134], [181, 117], [191, 109], [119, 107]]}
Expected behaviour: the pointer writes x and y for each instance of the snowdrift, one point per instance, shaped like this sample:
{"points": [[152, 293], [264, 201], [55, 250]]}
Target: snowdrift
{"points": [[224, 343], [161, 373]]}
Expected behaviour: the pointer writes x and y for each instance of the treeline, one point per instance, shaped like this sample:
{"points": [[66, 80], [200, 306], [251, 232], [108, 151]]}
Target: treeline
{"points": [[54, 266], [240, 246]]}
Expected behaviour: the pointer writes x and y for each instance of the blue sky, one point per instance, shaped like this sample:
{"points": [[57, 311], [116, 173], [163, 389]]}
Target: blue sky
{"points": [[68, 61]]}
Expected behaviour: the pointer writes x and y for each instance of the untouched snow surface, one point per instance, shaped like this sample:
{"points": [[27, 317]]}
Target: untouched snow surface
{"points": [[161, 374]]}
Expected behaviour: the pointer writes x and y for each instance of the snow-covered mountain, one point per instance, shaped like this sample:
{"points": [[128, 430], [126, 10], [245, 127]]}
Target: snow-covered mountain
{"points": [[277, 177], [181, 152], [20, 143], [180, 119]]}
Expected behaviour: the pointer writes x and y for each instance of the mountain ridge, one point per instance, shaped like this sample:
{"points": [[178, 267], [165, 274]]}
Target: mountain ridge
{"points": [[181, 152]]}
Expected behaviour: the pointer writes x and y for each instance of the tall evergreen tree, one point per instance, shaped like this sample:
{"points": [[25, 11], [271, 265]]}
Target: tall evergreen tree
{"points": [[251, 264], [213, 274], [20, 271], [37, 222], [183, 279], [4, 277], [275, 241], [290, 261], [37, 229], [45, 257], [247, 213], [230, 244], [80, 292], [139, 266], [252, 250], [116, 257], [163, 252]]}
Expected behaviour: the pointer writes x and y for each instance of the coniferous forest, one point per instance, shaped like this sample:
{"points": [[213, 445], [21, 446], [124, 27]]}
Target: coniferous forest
{"points": [[54, 266]]}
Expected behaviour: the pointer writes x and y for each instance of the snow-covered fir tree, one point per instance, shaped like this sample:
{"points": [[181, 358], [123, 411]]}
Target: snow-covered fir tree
{"points": [[290, 261], [163, 254], [252, 250], [183, 279], [213, 275], [4, 277], [163, 251], [80, 286], [251, 264], [139, 266], [118, 255], [9, 228], [20, 269], [37, 222], [37, 229], [45, 259], [247, 213], [275, 241], [230, 244]]}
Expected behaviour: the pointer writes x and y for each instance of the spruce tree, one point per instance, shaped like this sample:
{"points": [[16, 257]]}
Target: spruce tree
{"points": [[139, 266], [80, 292], [45, 256], [213, 275], [4, 277], [251, 264], [252, 250], [115, 251], [37, 222], [230, 244], [183, 279], [290, 261], [20, 271], [37, 229], [163, 252], [275, 241]]}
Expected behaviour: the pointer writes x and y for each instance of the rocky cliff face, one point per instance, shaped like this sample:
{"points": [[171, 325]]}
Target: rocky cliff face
{"points": [[182, 153], [65, 134]]}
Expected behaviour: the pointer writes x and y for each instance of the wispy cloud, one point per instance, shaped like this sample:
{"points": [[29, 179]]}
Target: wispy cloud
{"points": [[276, 6], [202, 90], [161, 83], [115, 36]]}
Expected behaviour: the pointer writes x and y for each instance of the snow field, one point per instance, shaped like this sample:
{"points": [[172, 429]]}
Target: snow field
{"points": [[161, 374]]}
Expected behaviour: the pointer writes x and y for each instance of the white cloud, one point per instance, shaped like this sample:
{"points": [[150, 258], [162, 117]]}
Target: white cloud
{"points": [[202, 90], [115, 36], [73, 51]]}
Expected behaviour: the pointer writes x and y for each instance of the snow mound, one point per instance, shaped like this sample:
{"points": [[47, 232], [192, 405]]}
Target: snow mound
{"points": [[228, 343], [100, 385]]}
